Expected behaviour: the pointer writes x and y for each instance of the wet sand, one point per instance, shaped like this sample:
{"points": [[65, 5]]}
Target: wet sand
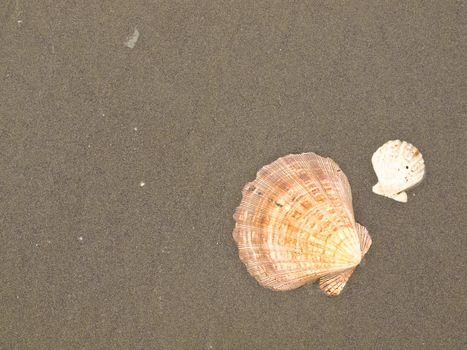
{"points": [[123, 157]]}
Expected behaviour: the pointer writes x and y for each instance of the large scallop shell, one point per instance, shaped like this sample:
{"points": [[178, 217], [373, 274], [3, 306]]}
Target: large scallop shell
{"points": [[399, 166], [295, 224]]}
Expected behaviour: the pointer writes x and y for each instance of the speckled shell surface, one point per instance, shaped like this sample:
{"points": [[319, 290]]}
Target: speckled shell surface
{"points": [[295, 224], [399, 166]]}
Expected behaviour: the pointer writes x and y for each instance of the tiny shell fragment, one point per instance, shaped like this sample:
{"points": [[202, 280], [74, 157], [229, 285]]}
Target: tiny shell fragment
{"points": [[131, 42]]}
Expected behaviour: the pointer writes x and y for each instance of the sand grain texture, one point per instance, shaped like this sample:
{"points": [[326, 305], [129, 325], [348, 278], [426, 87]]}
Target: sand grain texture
{"points": [[90, 259]]}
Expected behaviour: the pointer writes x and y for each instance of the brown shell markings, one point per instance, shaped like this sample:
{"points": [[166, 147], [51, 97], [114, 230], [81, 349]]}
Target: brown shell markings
{"points": [[295, 224]]}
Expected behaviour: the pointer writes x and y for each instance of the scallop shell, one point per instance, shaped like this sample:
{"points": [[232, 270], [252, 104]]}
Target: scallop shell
{"points": [[399, 166], [295, 224]]}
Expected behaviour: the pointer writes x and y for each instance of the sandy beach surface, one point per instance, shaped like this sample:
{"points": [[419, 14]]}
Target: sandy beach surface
{"points": [[128, 129]]}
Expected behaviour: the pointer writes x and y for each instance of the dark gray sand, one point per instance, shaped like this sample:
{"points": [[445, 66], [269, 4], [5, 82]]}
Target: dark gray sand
{"points": [[121, 168]]}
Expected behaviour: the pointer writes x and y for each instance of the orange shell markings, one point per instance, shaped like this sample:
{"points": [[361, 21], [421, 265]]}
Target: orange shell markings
{"points": [[295, 224]]}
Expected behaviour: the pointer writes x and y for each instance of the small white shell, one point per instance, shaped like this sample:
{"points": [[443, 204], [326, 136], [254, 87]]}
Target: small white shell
{"points": [[399, 166]]}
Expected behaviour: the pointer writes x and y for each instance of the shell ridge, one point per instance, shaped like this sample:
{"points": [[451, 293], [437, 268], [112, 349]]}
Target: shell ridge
{"points": [[301, 258], [337, 182], [341, 264], [304, 166], [333, 284], [344, 193], [298, 280], [320, 274], [365, 238], [320, 244], [261, 245], [291, 174], [297, 231], [335, 173]]}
